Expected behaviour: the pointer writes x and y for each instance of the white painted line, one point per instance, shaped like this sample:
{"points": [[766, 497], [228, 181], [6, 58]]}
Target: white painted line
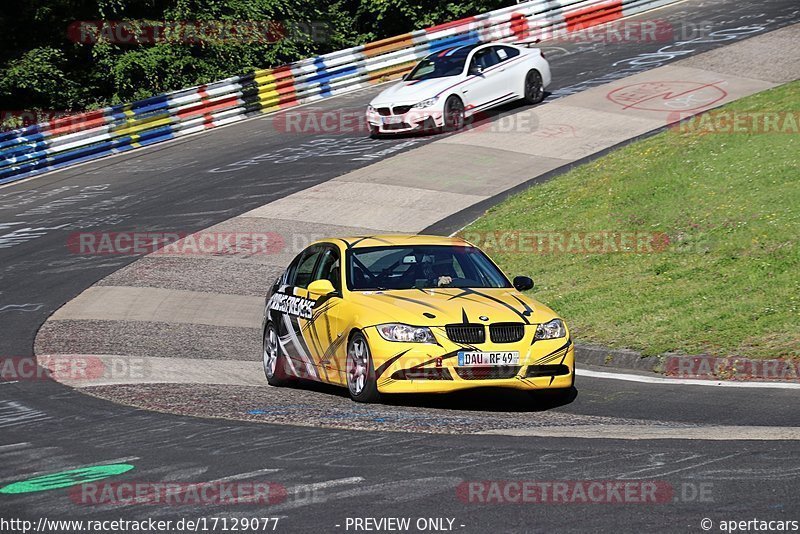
{"points": [[243, 476], [14, 446], [306, 488], [8, 382], [650, 432], [684, 381], [192, 486], [331, 483], [713, 460]]}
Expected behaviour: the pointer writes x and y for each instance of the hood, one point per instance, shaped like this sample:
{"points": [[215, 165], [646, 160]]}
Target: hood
{"points": [[413, 92], [438, 307]]}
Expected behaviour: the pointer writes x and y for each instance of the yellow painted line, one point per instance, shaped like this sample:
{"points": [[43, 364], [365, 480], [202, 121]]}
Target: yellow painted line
{"points": [[265, 79], [272, 100], [138, 125]]}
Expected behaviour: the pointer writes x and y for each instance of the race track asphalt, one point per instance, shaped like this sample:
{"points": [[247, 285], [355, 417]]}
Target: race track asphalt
{"points": [[47, 427]]}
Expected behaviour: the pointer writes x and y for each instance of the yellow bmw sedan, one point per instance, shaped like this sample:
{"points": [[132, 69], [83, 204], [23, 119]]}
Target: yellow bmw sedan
{"points": [[410, 314]]}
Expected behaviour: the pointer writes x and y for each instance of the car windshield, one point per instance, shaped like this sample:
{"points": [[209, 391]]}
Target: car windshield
{"points": [[447, 62], [421, 267]]}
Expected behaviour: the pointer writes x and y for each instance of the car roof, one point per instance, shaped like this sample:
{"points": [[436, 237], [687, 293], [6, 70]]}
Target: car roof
{"points": [[455, 51], [395, 240], [465, 50]]}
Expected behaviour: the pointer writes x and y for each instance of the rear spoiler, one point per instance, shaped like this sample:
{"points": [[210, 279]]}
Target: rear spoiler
{"points": [[528, 44]]}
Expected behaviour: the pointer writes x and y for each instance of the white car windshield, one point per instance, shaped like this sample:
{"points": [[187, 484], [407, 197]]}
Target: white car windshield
{"points": [[447, 62]]}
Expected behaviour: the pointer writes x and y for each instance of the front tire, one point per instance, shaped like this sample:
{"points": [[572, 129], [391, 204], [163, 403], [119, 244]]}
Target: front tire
{"points": [[534, 87], [361, 380], [453, 114], [374, 132], [273, 359]]}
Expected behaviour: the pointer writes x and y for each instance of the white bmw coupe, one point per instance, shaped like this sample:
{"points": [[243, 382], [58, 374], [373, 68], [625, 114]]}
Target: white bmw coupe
{"points": [[450, 85]]}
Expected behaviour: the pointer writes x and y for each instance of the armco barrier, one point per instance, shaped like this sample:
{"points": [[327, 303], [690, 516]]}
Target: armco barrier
{"points": [[74, 139]]}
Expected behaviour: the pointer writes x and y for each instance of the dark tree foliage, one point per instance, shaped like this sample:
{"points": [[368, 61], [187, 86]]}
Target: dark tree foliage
{"points": [[43, 68]]}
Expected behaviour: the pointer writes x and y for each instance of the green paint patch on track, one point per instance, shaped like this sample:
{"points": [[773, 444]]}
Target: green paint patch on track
{"points": [[65, 479]]}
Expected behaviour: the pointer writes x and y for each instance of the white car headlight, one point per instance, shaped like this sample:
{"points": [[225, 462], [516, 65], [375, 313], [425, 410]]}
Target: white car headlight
{"points": [[426, 103], [371, 109], [552, 330], [406, 333]]}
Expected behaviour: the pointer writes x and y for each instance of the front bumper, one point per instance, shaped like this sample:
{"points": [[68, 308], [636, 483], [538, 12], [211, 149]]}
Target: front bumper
{"points": [[429, 368], [415, 120]]}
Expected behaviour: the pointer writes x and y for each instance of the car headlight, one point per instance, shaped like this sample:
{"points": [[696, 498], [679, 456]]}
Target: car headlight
{"points": [[406, 333], [426, 103], [370, 109], [552, 330]]}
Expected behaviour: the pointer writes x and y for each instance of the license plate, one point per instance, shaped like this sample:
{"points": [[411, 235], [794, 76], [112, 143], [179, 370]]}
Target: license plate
{"points": [[392, 120], [484, 359]]}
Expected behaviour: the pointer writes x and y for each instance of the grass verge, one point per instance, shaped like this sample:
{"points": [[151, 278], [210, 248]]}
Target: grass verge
{"points": [[726, 283]]}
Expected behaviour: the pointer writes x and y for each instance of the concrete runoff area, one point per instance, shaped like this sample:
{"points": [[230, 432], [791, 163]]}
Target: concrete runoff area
{"points": [[470, 169], [163, 305], [151, 370], [393, 207], [148, 339]]}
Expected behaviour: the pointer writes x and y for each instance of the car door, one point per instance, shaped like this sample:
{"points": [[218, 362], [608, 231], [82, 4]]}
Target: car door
{"points": [[294, 311], [511, 71], [483, 85], [324, 332]]}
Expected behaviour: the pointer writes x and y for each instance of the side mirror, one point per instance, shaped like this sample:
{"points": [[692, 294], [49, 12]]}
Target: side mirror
{"points": [[476, 70], [321, 288], [521, 283]]}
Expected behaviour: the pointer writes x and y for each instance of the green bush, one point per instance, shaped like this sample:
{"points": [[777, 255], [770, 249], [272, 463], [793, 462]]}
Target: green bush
{"points": [[41, 69]]}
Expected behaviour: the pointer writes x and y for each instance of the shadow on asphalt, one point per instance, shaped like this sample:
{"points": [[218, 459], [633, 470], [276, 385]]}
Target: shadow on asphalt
{"points": [[479, 399]]}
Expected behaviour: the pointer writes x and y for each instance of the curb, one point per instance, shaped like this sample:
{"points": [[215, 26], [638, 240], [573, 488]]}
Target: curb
{"points": [[628, 359], [682, 367]]}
